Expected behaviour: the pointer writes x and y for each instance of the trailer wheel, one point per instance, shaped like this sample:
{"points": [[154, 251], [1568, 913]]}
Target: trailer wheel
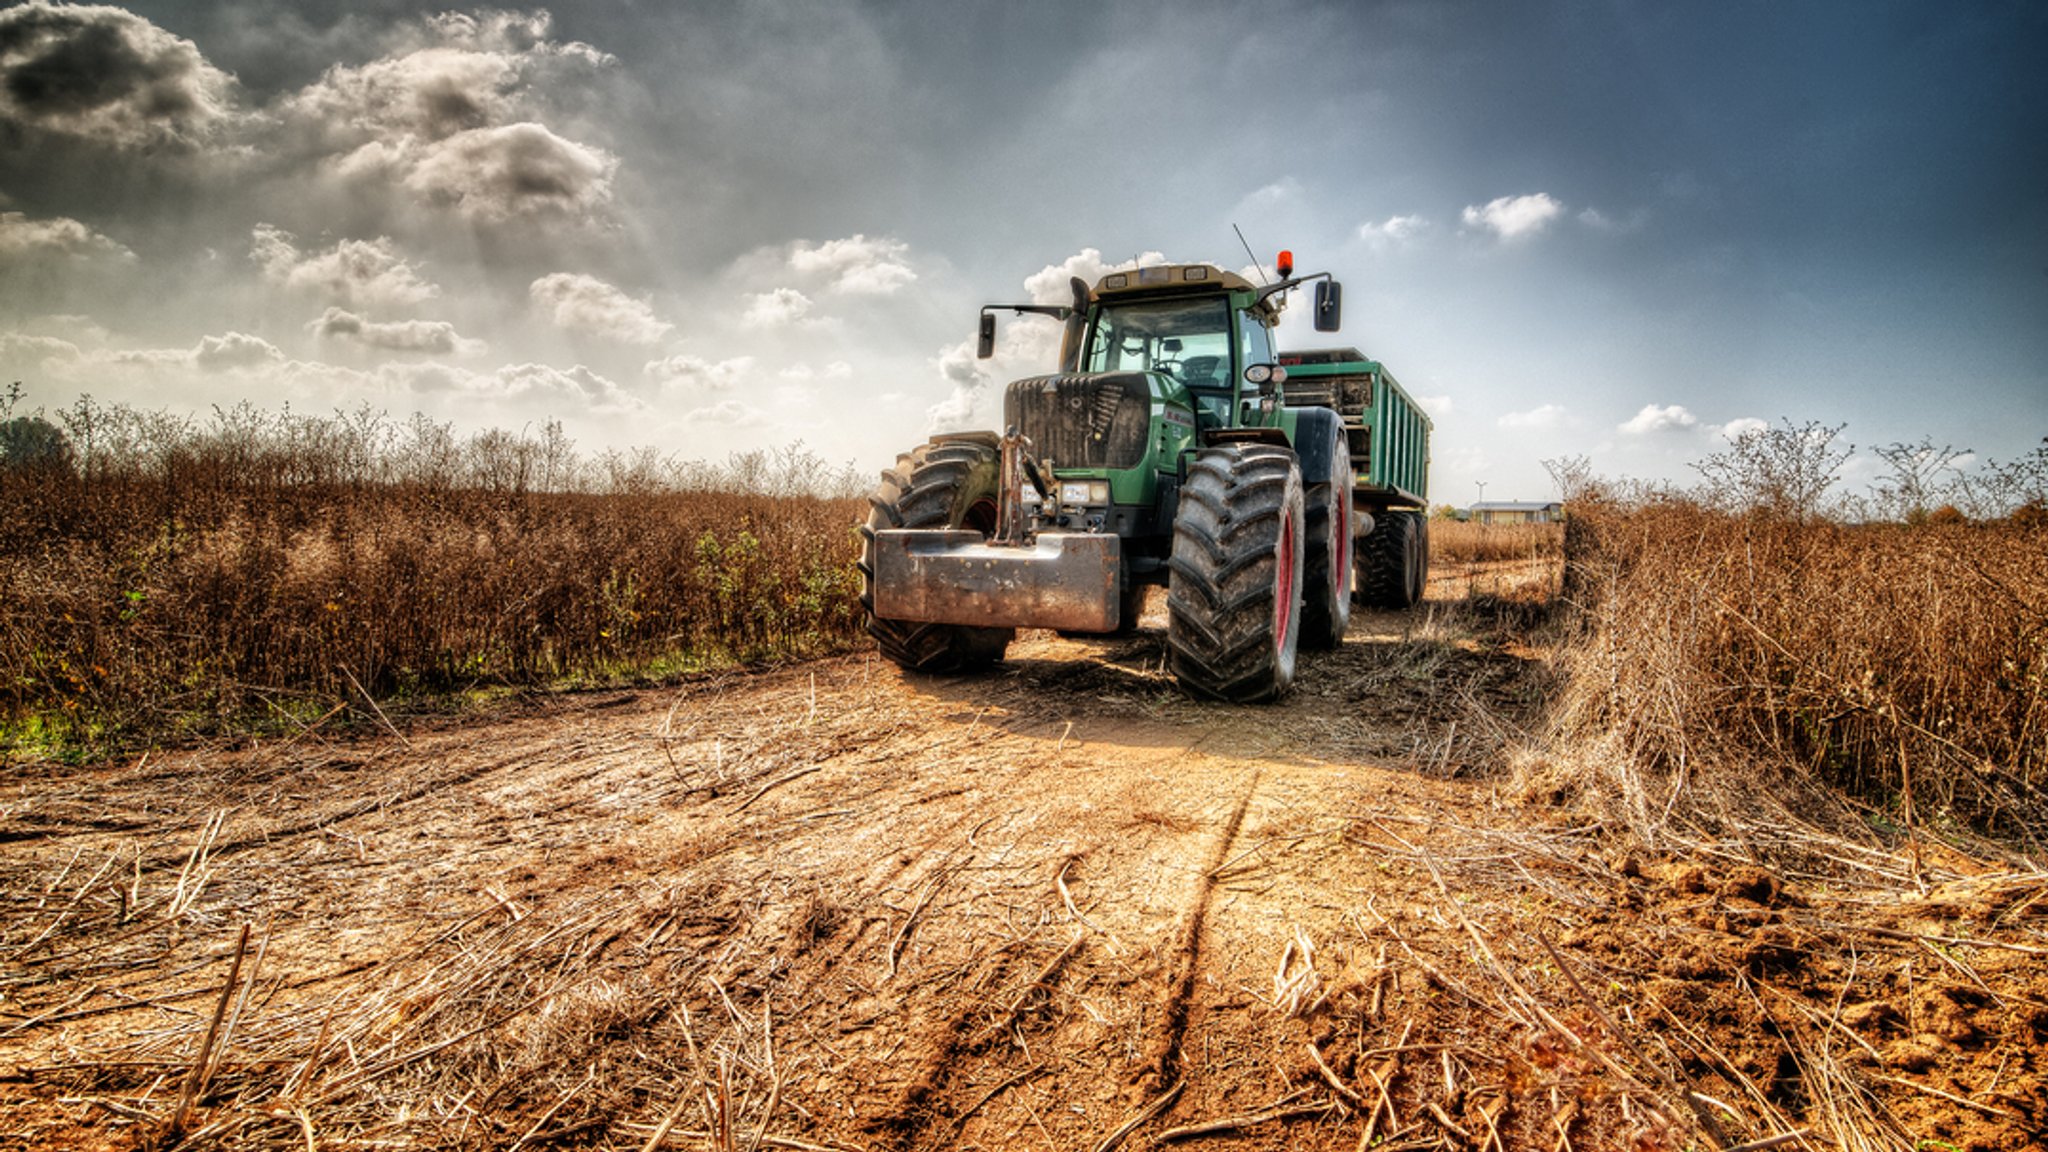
{"points": [[1234, 587], [947, 485], [1326, 582], [1389, 564], [1420, 584]]}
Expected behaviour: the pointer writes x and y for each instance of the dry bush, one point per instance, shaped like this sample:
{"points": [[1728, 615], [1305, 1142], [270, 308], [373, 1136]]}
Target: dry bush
{"points": [[189, 573], [1470, 542], [1743, 656]]}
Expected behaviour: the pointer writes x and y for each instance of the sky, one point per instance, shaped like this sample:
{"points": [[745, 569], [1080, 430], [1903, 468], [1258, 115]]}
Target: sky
{"points": [[1616, 230]]}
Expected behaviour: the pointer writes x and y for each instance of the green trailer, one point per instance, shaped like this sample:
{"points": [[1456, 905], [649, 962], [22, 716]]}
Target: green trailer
{"points": [[1388, 433]]}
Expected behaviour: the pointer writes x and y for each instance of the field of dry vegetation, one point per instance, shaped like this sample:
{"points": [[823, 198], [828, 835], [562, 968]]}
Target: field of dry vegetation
{"points": [[1712, 819], [259, 570]]}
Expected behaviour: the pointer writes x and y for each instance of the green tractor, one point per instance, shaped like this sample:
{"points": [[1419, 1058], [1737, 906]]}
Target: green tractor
{"points": [[1173, 447]]}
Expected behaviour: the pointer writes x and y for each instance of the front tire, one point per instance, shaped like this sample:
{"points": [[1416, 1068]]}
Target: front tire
{"points": [[951, 484], [1234, 589]]}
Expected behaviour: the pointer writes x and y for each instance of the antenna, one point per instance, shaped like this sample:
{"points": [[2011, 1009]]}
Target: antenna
{"points": [[1256, 266]]}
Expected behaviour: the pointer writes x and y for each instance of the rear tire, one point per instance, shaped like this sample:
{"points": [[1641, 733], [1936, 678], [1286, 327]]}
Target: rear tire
{"points": [[947, 485], [1234, 591], [1326, 580], [1389, 562]]}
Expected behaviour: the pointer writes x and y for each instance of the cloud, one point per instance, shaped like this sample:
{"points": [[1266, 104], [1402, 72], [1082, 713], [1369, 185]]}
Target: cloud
{"points": [[1392, 230], [435, 337], [1512, 217], [775, 309], [1654, 419], [431, 94], [368, 273], [856, 264], [579, 383], [108, 75], [1544, 416], [1437, 406], [1048, 285], [585, 304], [731, 413], [692, 372], [495, 174], [57, 238], [18, 350], [234, 351], [836, 370], [1739, 427]]}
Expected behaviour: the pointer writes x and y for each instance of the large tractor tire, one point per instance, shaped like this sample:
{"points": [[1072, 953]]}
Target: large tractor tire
{"points": [[1234, 586], [952, 484], [1326, 565], [1391, 563]]}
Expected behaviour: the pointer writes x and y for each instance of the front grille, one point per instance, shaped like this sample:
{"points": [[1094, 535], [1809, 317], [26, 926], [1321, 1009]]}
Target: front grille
{"points": [[1096, 420]]}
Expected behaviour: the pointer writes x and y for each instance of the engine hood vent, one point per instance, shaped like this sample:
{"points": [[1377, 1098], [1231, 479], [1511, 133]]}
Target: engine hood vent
{"points": [[1083, 420]]}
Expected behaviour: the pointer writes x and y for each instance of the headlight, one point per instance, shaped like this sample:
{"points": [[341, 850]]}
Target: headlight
{"points": [[1076, 492]]}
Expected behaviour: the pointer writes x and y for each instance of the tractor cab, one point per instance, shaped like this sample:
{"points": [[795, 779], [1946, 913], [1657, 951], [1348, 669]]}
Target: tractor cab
{"points": [[1198, 325]]}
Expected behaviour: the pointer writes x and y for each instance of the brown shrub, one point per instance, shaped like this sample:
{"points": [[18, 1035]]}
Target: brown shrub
{"points": [[192, 577], [1470, 542], [1906, 667]]}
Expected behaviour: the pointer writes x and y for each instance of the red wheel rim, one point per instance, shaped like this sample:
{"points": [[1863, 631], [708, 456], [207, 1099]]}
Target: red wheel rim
{"points": [[1340, 548], [1283, 586]]}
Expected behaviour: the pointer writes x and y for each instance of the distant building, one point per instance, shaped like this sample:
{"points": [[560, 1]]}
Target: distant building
{"points": [[1517, 512]]}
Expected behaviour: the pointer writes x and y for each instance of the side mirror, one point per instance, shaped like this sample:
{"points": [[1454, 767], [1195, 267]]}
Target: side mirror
{"points": [[1329, 305], [986, 347]]}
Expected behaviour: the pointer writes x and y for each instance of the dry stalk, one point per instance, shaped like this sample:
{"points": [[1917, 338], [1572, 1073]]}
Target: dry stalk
{"points": [[1142, 1117], [202, 1064], [1238, 1123]]}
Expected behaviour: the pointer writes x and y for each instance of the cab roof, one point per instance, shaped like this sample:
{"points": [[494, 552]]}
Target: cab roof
{"points": [[1175, 279]]}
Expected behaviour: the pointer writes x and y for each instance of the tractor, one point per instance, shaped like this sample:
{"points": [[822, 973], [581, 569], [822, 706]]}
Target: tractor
{"points": [[1175, 446]]}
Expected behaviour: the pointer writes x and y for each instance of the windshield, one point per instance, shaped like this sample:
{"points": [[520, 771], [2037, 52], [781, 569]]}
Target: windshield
{"points": [[1188, 339]]}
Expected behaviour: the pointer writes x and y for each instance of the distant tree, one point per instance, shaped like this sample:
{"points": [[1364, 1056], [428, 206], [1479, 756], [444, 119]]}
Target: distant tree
{"points": [[30, 443], [1782, 470], [1917, 476]]}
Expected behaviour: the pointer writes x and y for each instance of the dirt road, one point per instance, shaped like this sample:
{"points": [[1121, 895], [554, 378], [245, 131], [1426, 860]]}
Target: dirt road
{"points": [[1060, 906]]}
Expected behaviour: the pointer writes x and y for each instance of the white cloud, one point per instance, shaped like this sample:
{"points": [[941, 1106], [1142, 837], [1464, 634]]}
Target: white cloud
{"points": [[775, 309], [429, 94], [1544, 416], [1392, 230], [1741, 426], [856, 264], [1512, 217], [585, 304], [1437, 406], [728, 412], [101, 73], [1048, 285], [1653, 419], [56, 238], [496, 174], [234, 351], [436, 337], [19, 351], [836, 370], [367, 273], [694, 372]]}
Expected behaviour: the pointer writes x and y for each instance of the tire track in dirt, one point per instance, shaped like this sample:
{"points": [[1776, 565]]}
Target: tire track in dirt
{"points": [[1161, 1067]]}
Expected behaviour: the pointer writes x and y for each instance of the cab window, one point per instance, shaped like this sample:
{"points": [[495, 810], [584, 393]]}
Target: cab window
{"points": [[1186, 339]]}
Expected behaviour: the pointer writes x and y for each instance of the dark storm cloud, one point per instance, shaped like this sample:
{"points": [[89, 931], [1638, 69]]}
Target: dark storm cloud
{"points": [[106, 74]]}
